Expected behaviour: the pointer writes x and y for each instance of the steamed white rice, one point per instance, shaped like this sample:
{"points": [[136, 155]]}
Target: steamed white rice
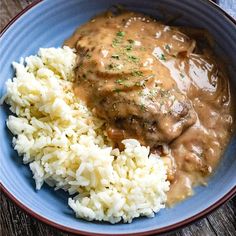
{"points": [[67, 147]]}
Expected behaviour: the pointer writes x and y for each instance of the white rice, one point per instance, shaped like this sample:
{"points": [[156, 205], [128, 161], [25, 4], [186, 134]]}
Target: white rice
{"points": [[67, 147]]}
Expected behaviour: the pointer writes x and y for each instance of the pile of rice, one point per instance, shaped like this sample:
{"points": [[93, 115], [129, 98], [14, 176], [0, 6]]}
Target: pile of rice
{"points": [[67, 147]]}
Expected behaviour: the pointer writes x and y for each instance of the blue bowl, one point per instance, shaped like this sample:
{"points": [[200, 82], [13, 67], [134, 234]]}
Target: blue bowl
{"points": [[48, 24]]}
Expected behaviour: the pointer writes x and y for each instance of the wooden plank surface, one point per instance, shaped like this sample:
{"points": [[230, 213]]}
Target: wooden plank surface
{"points": [[15, 222]]}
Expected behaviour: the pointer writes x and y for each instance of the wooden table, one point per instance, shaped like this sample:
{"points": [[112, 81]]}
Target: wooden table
{"points": [[15, 222]]}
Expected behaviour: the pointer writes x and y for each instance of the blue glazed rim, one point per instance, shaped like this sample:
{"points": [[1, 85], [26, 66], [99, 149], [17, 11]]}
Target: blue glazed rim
{"points": [[166, 229]]}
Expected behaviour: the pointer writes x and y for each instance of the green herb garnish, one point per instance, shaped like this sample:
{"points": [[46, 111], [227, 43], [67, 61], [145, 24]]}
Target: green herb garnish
{"points": [[142, 48], [120, 34], [140, 93], [116, 90], [131, 41], [162, 57], [162, 103], [140, 84], [119, 81], [142, 106], [137, 73], [112, 66], [128, 47], [152, 92], [115, 56], [115, 42], [167, 47], [88, 56], [133, 58]]}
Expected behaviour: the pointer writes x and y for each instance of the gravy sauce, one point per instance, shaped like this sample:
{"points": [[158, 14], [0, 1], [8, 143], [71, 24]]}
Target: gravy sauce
{"points": [[157, 84]]}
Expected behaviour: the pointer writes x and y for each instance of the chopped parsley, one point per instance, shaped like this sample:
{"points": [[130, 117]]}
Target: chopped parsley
{"points": [[127, 85], [133, 58], [113, 66], [182, 76], [120, 34], [115, 42], [88, 56], [140, 84], [167, 47], [110, 66], [142, 48], [153, 93], [142, 106], [203, 155], [140, 93], [116, 90], [162, 103], [118, 38], [119, 81], [162, 57], [137, 73], [115, 56], [128, 47]]}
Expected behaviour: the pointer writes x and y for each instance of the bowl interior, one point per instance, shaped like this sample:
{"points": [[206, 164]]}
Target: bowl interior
{"points": [[48, 25]]}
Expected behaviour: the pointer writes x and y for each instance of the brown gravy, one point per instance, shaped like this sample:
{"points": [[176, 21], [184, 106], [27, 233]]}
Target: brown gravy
{"points": [[159, 85]]}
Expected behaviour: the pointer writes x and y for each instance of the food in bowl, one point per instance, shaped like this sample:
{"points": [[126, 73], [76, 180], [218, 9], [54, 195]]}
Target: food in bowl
{"points": [[67, 147], [133, 107], [154, 83]]}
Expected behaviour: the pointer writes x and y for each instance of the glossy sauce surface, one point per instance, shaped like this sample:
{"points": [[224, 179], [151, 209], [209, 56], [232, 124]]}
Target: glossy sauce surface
{"points": [[155, 83]]}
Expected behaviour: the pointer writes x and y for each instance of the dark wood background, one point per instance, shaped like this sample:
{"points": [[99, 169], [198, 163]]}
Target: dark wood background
{"points": [[15, 222]]}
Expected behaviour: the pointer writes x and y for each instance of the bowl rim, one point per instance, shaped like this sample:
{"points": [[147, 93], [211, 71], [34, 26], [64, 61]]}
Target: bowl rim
{"points": [[162, 230]]}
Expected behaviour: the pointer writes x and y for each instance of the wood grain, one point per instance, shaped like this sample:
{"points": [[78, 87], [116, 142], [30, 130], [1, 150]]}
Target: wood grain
{"points": [[15, 222]]}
